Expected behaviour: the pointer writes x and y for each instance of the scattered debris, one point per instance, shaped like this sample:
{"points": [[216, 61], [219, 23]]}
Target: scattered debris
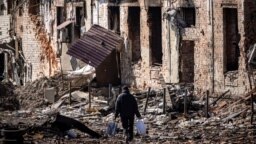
{"points": [[8, 99], [32, 95], [229, 121]]}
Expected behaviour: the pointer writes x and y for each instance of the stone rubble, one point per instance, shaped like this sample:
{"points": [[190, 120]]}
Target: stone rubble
{"points": [[229, 120]]}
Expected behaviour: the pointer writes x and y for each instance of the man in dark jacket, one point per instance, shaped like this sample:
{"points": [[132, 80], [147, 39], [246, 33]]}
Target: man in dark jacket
{"points": [[126, 106]]}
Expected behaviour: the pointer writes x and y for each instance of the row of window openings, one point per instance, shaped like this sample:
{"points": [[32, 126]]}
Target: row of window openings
{"points": [[154, 23], [188, 15]]}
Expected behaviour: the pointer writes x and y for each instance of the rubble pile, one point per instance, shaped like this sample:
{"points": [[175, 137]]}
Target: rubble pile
{"points": [[226, 124], [8, 99], [32, 94], [227, 121]]}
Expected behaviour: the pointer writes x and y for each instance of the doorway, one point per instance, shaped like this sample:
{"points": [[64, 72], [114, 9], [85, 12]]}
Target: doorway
{"points": [[134, 32], [231, 39], [155, 34]]}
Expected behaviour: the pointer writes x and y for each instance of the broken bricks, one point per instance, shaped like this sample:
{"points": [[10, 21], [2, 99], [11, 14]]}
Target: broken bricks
{"points": [[227, 116]]}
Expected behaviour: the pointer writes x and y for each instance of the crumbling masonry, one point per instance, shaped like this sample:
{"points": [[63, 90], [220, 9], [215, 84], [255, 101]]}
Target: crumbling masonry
{"points": [[204, 42]]}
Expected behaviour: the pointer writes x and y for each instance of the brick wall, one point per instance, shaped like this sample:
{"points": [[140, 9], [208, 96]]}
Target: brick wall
{"points": [[4, 28], [209, 68], [31, 47]]}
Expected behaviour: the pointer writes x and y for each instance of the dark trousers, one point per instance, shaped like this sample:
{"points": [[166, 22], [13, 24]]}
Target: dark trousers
{"points": [[127, 123]]}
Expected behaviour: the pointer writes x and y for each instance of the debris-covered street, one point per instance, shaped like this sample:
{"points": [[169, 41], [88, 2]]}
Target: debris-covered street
{"points": [[127, 71], [228, 120]]}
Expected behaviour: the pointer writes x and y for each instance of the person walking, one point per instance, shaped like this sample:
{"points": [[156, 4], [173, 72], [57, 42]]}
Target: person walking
{"points": [[126, 106]]}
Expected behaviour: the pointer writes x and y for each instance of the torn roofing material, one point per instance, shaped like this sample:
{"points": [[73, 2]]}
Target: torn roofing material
{"points": [[95, 46]]}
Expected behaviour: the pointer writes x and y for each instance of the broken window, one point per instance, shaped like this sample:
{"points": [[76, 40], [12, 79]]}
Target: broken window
{"points": [[60, 15], [231, 39], [189, 16], [9, 3], [20, 11], [79, 22], [114, 19], [155, 35], [134, 32], [79, 15], [2, 8], [34, 7], [186, 71]]}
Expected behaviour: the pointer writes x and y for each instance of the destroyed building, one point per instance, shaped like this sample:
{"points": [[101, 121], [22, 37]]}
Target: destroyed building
{"points": [[185, 61], [178, 41]]}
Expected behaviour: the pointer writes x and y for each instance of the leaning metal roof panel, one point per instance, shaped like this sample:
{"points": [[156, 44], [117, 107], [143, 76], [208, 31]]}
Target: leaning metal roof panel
{"points": [[95, 45]]}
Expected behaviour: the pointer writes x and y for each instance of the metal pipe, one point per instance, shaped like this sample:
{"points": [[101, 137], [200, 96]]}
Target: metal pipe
{"points": [[109, 91], [98, 11], [185, 104], [252, 109], [164, 101], [212, 44], [70, 93], [89, 91], [207, 104], [30, 71], [146, 104], [6, 66]]}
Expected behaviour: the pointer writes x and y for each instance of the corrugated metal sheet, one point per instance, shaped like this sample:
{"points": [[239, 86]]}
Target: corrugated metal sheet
{"points": [[94, 47]]}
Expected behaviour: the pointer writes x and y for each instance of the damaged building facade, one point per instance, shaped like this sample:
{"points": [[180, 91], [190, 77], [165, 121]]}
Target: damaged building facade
{"points": [[183, 41], [204, 42]]}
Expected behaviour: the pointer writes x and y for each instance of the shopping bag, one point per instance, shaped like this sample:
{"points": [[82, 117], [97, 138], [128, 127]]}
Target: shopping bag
{"points": [[140, 126], [111, 129]]}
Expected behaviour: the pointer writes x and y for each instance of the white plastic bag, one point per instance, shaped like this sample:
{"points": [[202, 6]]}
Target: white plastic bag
{"points": [[141, 128], [71, 133], [111, 128]]}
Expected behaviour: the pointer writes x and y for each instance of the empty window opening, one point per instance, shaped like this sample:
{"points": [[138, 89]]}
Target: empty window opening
{"points": [[79, 22], [155, 35], [20, 11], [9, 6], [1, 66], [114, 19], [189, 16], [60, 15], [34, 7], [231, 39], [187, 62], [79, 16], [2, 8], [134, 32]]}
